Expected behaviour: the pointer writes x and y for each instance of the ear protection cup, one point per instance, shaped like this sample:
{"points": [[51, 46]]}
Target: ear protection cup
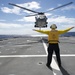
{"points": [[53, 26]]}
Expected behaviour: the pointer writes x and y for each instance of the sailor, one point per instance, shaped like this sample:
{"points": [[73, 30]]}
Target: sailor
{"points": [[53, 43]]}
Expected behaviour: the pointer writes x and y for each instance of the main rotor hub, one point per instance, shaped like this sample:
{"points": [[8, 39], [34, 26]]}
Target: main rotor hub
{"points": [[41, 13]]}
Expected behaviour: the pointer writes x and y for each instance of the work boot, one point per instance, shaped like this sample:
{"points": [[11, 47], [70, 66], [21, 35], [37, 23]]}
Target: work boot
{"points": [[49, 66]]}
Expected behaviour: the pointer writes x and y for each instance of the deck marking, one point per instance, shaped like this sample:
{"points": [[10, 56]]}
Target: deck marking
{"points": [[67, 55], [62, 55], [56, 70], [3, 56], [45, 47]]}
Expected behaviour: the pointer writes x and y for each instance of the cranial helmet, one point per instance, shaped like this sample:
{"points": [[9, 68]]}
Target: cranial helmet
{"points": [[53, 26]]}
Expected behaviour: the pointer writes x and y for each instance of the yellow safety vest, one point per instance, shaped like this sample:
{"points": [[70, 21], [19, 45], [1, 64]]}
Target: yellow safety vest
{"points": [[53, 36]]}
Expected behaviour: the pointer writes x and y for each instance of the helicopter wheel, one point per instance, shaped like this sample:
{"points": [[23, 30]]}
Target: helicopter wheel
{"points": [[45, 25], [35, 26]]}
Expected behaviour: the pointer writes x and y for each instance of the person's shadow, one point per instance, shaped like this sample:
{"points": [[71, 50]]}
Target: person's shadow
{"points": [[57, 72], [64, 72]]}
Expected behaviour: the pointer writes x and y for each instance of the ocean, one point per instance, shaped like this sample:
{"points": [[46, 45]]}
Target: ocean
{"points": [[68, 34]]}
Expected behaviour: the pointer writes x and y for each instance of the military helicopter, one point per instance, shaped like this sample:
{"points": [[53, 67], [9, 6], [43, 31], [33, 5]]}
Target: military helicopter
{"points": [[40, 17]]}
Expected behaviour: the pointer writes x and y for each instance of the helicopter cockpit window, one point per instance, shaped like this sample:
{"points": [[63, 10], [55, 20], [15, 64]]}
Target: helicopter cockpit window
{"points": [[41, 16]]}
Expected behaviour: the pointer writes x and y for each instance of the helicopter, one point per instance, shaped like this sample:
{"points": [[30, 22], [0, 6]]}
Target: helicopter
{"points": [[40, 17]]}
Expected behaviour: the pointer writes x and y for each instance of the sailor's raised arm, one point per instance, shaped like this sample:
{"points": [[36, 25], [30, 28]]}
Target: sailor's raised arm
{"points": [[66, 30], [42, 31]]}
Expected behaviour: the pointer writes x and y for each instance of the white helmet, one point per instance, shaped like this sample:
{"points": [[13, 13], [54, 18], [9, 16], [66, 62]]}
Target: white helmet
{"points": [[53, 26]]}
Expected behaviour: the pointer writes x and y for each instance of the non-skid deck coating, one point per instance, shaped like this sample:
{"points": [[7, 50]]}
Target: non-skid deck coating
{"points": [[27, 56]]}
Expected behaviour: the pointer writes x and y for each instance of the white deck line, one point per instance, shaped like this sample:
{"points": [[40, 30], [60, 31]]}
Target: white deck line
{"points": [[45, 47], [66, 55], [5, 56], [56, 70], [62, 55]]}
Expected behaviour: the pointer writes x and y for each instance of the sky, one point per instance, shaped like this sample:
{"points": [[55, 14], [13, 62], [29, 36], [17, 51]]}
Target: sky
{"points": [[13, 20]]}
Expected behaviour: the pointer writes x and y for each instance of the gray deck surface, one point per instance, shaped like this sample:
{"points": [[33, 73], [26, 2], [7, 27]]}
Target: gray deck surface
{"points": [[27, 56]]}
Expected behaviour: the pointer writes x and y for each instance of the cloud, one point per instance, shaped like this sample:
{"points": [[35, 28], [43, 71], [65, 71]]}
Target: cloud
{"points": [[15, 10], [62, 19], [15, 26], [27, 19], [11, 28], [9, 25], [18, 32], [31, 5]]}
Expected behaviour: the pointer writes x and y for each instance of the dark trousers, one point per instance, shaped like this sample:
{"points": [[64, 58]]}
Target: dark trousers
{"points": [[55, 48]]}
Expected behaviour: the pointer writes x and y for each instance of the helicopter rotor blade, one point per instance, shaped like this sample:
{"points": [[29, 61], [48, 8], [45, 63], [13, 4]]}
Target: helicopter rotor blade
{"points": [[60, 6], [23, 8], [31, 15]]}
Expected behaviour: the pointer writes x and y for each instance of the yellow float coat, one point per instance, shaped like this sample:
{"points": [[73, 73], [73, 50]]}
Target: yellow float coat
{"points": [[53, 35]]}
